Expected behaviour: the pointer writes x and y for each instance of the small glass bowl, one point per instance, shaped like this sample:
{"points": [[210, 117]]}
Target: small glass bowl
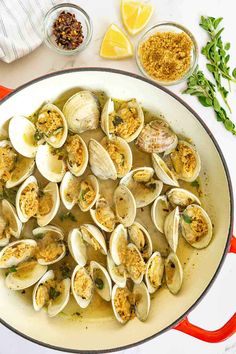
{"points": [[80, 15], [168, 27]]}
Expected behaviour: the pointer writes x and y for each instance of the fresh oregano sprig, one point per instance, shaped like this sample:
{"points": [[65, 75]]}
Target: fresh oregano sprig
{"points": [[216, 53], [198, 85]]}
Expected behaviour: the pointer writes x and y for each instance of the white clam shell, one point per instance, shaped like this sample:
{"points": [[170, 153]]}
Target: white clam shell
{"points": [[142, 306], [91, 231], [155, 269], [113, 295], [58, 238], [92, 180], [77, 246], [133, 232], [189, 234], [53, 140], [101, 202], [113, 269], [182, 197], [163, 172], [124, 149], [49, 275], [105, 291], [79, 170], [171, 228], [49, 165], [82, 302], [52, 189], [31, 276], [140, 278], [20, 213], [100, 161], [9, 217], [173, 273], [159, 211], [118, 236], [82, 112], [15, 259], [21, 133], [125, 205], [67, 181], [142, 194]]}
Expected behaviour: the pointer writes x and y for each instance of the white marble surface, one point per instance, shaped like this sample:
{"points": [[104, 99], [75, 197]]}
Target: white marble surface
{"points": [[219, 304]]}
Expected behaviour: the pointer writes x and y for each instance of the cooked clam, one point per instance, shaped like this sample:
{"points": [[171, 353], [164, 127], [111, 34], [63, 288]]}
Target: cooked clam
{"points": [[142, 185], [94, 237], [196, 226], [50, 245], [125, 205], [118, 245], [82, 286], [69, 190], [25, 275], [77, 154], [17, 252], [51, 125], [181, 197], [102, 280], [117, 273], [100, 161], [142, 301], [122, 303], [82, 112], [10, 224], [77, 246], [103, 215], [171, 228], [49, 163], [141, 238], [163, 172], [134, 263], [160, 210], [51, 293], [154, 272], [48, 204], [120, 153], [22, 136], [157, 137], [125, 122], [186, 161], [88, 193], [173, 273]]}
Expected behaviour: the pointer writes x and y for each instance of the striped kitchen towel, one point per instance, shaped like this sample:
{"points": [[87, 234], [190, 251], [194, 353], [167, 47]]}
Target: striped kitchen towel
{"points": [[21, 24]]}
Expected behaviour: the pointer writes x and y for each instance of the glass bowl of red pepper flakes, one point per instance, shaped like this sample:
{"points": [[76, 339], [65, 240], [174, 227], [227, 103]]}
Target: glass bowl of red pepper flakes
{"points": [[67, 29]]}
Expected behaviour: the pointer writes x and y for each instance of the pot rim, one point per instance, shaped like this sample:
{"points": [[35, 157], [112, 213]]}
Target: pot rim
{"points": [[230, 231]]}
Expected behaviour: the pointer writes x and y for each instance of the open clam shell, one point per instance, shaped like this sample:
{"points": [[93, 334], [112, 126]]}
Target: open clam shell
{"points": [[154, 272], [118, 244], [82, 112], [141, 238], [127, 122], [160, 210], [142, 185], [125, 205], [103, 215], [94, 237], [57, 305], [82, 286], [49, 163], [100, 161], [102, 280], [10, 225], [49, 204], [50, 245], [196, 226], [122, 304], [51, 125], [134, 264], [117, 273], [186, 161], [25, 275], [40, 294], [69, 190], [77, 246], [182, 197], [17, 252], [120, 153], [142, 301], [163, 172], [22, 136], [171, 228], [77, 155], [27, 199], [88, 193], [173, 273]]}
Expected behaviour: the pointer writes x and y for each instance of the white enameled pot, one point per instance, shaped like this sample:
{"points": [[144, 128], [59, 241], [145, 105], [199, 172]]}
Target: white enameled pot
{"points": [[167, 311]]}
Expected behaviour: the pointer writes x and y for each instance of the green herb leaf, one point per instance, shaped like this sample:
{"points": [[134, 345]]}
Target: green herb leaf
{"points": [[38, 136], [227, 46], [205, 101], [99, 283], [195, 184], [53, 293], [234, 73], [39, 236], [187, 218], [66, 216], [117, 121], [12, 269]]}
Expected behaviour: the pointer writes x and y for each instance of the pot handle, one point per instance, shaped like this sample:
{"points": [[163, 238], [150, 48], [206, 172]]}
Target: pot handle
{"points": [[217, 335], [4, 91]]}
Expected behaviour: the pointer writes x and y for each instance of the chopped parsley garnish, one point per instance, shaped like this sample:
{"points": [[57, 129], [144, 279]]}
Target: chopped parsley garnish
{"points": [[195, 184], [151, 186], [38, 136], [187, 218], [65, 271], [12, 269], [83, 193], [117, 121], [99, 283], [39, 236], [53, 293], [67, 216]]}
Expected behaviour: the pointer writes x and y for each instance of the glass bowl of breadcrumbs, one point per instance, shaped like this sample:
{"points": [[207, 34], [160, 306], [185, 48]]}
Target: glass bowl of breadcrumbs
{"points": [[167, 53]]}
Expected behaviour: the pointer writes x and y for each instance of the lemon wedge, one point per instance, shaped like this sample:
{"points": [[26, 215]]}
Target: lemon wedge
{"points": [[115, 44], [135, 15]]}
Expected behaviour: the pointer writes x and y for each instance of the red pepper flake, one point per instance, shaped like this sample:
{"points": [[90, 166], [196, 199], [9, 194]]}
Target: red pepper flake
{"points": [[68, 31]]}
